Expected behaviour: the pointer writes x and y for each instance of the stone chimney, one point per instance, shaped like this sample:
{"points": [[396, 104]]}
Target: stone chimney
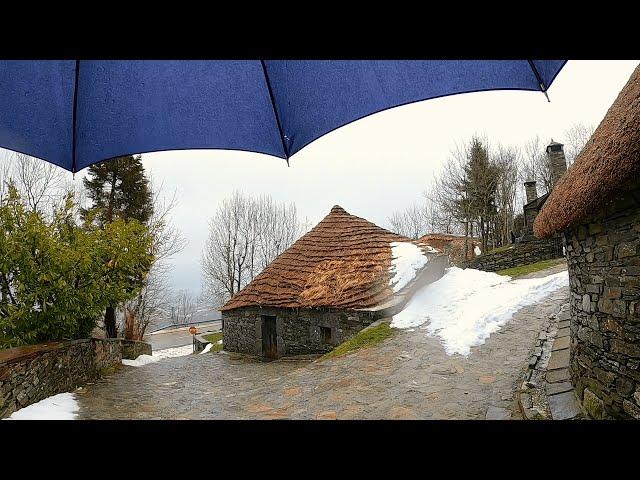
{"points": [[557, 160], [532, 192]]}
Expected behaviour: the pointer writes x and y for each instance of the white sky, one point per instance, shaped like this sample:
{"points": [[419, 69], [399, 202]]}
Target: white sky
{"points": [[381, 163]]}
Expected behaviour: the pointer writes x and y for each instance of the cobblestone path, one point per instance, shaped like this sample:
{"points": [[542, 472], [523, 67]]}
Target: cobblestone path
{"points": [[408, 376]]}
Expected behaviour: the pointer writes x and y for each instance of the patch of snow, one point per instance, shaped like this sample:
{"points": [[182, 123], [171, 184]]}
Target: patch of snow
{"points": [[407, 258], [159, 355], [220, 342], [477, 250], [464, 307], [207, 348], [58, 407]]}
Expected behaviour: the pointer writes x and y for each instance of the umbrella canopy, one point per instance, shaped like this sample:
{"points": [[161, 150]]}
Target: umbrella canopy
{"points": [[77, 113]]}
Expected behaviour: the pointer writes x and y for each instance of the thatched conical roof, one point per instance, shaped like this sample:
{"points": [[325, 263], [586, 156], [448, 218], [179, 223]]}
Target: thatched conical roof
{"points": [[343, 262], [607, 165]]}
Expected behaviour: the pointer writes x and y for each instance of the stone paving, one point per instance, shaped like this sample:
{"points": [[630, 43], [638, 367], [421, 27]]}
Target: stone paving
{"points": [[408, 376], [547, 392]]}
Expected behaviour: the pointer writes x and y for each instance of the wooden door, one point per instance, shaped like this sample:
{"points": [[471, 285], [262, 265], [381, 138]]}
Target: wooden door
{"points": [[269, 337]]}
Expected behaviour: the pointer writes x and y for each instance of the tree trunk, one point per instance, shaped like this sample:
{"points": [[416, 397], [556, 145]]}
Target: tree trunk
{"points": [[110, 323]]}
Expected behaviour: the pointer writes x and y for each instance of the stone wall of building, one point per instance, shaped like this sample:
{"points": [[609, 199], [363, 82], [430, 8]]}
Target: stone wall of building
{"points": [[603, 254], [519, 254], [32, 373], [298, 330]]}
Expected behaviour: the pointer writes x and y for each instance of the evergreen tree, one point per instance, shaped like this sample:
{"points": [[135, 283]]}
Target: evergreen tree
{"points": [[118, 189]]}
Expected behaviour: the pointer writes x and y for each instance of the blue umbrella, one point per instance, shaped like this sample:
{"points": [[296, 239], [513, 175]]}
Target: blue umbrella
{"points": [[77, 113]]}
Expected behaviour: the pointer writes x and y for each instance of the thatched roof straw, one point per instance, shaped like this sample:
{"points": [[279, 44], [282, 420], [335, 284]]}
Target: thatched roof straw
{"points": [[453, 245], [343, 262], [607, 165]]}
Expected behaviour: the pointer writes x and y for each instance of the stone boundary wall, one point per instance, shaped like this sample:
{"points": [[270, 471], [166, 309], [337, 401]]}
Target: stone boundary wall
{"points": [[32, 373], [132, 349], [603, 254], [524, 253]]}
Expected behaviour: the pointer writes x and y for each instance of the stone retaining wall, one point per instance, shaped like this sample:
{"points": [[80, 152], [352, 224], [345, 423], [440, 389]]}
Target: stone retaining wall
{"points": [[132, 349], [603, 254], [32, 373], [519, 254]]}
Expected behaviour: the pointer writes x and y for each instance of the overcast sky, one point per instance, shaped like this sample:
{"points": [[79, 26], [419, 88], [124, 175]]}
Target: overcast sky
{"points": [[381, 163]]}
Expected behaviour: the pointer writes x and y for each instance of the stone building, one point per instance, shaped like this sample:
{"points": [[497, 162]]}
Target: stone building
{"points": [[335, 280], [596, 208], [558, 163]]}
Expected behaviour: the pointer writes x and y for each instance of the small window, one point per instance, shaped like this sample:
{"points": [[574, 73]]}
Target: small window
{"points": [[325, 334]]}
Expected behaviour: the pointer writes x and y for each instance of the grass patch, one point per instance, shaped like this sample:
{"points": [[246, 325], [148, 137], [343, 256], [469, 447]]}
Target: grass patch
{"points": [[365, 338], [532, 267], [214, 338], [498, 250]]}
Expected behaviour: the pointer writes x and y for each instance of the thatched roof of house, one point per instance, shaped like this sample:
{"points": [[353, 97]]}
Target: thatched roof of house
{"points": [[343, 262], [609, 162], [453, 245]]}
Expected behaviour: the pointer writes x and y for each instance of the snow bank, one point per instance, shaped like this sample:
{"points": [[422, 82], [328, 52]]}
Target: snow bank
{"points": [[159, 355], [406, 259], [464, 307], [58, 407]]}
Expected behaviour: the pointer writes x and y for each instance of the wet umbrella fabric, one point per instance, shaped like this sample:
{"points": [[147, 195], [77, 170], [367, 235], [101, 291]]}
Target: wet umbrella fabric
{"points": [[77, 113]]}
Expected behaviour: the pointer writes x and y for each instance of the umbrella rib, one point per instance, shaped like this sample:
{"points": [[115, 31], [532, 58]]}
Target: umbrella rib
{"points": [[543, 87], [73, 119], [275, 110]]}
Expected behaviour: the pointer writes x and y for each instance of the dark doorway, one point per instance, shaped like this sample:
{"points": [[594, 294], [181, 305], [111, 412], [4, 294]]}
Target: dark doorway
{"points": [[325, 335], [269, 337]]}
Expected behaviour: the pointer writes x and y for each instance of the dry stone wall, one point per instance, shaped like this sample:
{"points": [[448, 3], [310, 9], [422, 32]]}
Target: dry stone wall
{"points": [[519, 254], [32, 373], [603, 254]]}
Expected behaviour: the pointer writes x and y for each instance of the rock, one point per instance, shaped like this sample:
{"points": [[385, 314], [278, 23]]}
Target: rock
{"points": [[563, 406], [497, 413], [592, 404]]}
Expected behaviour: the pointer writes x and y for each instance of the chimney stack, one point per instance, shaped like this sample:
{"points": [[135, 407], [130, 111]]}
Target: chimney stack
{"points": [[557, 160], [532, 192]]}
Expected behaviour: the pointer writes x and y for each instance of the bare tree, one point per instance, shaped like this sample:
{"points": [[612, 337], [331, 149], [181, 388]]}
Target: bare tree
{"points": [[185, 305], [412, 222], [507, 160], [153, 301], [576, 137], [245, 235], [536, 166], [41, 184]]}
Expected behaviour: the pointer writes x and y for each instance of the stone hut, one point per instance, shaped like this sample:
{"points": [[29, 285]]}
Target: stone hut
{"points": [[555, 153], [596, 208], [335, 280]]}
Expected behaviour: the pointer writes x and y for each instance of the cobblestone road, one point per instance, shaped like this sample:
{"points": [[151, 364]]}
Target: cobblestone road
{"points": [[408, 376]]}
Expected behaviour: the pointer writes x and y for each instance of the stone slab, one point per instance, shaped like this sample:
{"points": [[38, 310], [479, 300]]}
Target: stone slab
{"points": [[561, 343], [564, 406], [560, 375], [563, 324], [560, 387], [497, 413], [563, 332], [559, 359]]}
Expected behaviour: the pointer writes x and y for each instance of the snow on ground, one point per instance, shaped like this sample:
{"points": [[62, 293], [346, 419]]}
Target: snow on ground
{"points": [[58, 407], [407, 258], [464, 307], [207, 348], [159, 355]]}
